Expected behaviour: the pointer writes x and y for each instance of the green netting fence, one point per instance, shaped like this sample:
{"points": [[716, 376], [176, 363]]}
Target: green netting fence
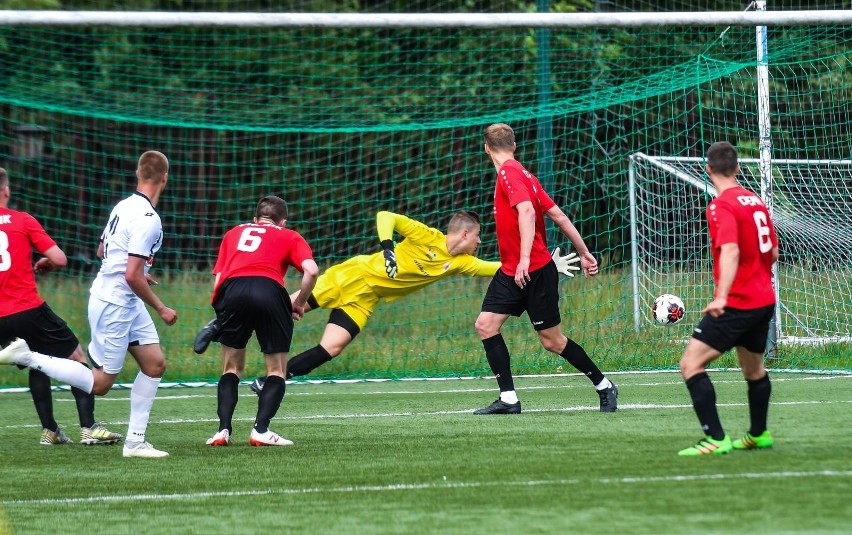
{"points": [[345, 122]]}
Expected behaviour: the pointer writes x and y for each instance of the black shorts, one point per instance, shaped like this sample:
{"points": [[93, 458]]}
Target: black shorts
{"points": [[539, 298], [748, 328], [254, 304], [42, 329]]}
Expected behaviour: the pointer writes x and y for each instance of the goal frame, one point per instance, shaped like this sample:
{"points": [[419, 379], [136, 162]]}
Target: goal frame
{"points": [[663, 163]]}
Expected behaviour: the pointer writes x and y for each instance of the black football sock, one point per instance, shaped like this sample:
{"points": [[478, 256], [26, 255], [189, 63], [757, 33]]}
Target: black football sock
{"points": [[85, 405], [498, 358], [704, 402], [758, 404], [268, 402], [227, 400], [577, 357], [42, 399], [307, 361]]}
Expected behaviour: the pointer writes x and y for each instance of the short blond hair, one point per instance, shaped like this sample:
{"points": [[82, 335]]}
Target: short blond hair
{"points": [[500, 137], [153, 165], [463, 220], [4, 178]]}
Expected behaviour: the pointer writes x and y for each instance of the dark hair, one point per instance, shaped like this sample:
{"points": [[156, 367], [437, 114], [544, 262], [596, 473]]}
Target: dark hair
{"points": [[153, 165], [500, 137], [463, 219], [272, 208], [4, 178], [722, 158]]}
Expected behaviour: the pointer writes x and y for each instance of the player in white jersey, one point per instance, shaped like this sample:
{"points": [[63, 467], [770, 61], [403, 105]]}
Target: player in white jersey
{"points": [[118, 318]]}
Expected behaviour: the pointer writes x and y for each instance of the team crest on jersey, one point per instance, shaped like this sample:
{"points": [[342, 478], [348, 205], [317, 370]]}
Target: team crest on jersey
{"points": [[432, 254]]}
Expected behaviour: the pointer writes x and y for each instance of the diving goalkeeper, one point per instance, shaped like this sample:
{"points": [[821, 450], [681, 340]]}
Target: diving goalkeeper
{"points": [[354, 288]]}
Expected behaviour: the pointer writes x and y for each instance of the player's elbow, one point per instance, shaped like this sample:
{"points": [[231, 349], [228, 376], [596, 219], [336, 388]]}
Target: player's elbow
{"points": [[56, 256], [132, 279], [310, 269]]}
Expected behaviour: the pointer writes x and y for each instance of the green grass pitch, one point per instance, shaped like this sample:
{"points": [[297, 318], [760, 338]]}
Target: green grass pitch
{"points": [[409, 457]]}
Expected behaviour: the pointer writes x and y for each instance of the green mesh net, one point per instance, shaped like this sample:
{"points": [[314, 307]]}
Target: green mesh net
{"points": [[345, 122]]}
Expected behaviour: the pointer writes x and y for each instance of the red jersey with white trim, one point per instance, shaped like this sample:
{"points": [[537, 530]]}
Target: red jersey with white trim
{"points": [[20, 233], [260, 250], [739, 216], [515, 185]]}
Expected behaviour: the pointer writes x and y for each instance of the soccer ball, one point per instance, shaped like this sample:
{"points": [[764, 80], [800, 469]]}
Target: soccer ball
{"points": [[668, 309]]}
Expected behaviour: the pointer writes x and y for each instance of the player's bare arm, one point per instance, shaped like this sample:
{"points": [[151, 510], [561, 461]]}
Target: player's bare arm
{"points": [[310, 272], [54, 258], [135, 277], [587, 261], [729, 260], [526, 224]]}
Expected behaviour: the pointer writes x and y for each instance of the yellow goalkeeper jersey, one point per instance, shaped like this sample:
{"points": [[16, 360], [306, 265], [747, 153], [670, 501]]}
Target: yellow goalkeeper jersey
{"points": [[422, 259]]}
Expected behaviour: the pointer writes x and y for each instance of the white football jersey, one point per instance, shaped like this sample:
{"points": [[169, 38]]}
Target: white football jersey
{"points": [[134, 229]]}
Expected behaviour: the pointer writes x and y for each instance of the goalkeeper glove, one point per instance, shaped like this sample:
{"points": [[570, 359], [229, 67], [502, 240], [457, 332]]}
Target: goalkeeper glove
{"points": [[390, 258], [563, 263]]}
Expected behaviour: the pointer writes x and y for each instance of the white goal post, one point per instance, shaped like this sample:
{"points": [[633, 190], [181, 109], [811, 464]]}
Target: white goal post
{"points": [[421, 20], [812, 200]]}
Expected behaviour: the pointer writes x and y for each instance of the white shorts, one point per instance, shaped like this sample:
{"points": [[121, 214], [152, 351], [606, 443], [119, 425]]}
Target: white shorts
{"points": [[114, 328]]}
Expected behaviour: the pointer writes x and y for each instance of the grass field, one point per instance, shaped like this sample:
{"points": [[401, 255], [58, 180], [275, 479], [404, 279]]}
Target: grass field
{"points": [[408, 457], [430, 332]]}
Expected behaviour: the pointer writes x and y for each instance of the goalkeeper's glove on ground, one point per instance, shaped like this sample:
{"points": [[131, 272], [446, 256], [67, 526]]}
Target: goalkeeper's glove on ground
{"points": [[390, 258], [563, 263]]}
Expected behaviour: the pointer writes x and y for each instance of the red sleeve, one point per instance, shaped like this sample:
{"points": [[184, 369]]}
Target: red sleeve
{"points": [[300, 252], [544, 200], [220, 259], [38, 236], [726, 225]]}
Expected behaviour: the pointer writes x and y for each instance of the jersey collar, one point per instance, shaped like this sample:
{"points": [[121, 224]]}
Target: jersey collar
{"points": [[144, 197]]}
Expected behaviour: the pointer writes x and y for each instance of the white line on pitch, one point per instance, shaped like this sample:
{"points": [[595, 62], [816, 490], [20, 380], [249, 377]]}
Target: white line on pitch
{"points": [[578, 408], [440, 485], [291, 393]]}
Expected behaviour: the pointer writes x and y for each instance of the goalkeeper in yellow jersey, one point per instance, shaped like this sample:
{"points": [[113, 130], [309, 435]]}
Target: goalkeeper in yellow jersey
{"points": [[354, 288]]}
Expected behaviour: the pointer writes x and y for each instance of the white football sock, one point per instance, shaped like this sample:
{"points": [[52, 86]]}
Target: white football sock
{"points": [[509, 396], [65, 371], [142, 396], [606, 383]]}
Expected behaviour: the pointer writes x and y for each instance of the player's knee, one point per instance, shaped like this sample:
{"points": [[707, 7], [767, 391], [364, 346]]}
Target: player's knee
{"points": [[155, 369], [484, 329], [101, 388], [688, 367], [554, 346]]}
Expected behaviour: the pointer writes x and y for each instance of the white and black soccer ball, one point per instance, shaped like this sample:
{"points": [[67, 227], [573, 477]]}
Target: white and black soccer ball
{"points": [[668, 309]]}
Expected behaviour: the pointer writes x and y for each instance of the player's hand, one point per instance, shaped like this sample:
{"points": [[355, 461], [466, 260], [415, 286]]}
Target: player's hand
{"points": [[298, 311], [168, 315], [43, 265], [150, 280], [563, 263], [589, 264], [522, 273], [390, 258], [716, 307]]}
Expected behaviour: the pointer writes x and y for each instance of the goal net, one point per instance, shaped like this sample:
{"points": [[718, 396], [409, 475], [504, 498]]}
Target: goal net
{"points": [[810, 201], [344, 121]]}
